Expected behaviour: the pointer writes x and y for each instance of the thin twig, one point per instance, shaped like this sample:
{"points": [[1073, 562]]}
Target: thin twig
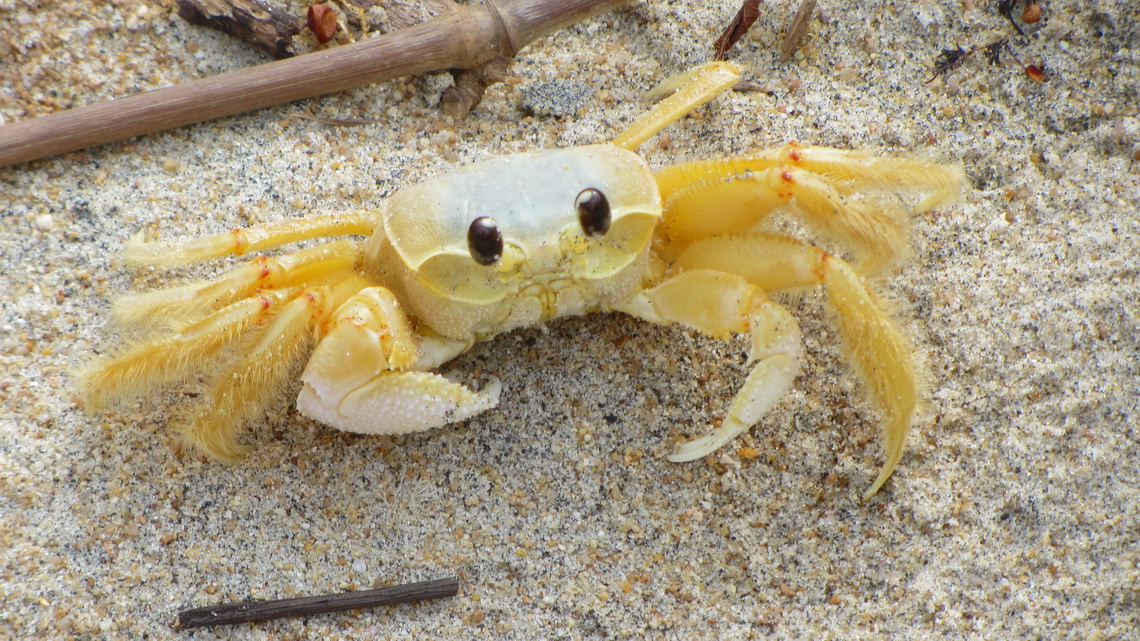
{"points": [[465, 36], [340, 122], [1005, 8], [248, 612]]}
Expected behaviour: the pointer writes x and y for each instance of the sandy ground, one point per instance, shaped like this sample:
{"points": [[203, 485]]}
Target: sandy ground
{"points": [[1015, 513]]}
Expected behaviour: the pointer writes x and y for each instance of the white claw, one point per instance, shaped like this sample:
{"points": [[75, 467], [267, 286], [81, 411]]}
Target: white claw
{"points": [[705, 445], [399, 402]]}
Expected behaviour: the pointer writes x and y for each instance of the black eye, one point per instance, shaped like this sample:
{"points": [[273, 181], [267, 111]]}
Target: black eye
{"points": [[484, 240], [593, 211]]}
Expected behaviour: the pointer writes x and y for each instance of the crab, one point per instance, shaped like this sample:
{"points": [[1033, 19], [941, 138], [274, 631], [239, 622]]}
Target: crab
{"points": [[520, 240]]}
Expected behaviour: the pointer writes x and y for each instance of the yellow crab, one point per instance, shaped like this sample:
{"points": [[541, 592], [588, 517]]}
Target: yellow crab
{"points": [[515, 241]]}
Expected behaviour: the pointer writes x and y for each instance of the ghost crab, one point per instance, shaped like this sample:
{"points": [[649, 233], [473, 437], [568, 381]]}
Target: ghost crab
{"points": [[516, 241]]}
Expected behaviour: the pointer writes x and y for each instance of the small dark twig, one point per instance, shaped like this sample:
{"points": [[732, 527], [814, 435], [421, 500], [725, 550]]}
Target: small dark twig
{"points": [[231, 613], [752, 85], [992, 51], [949, 60], [340, 122]]}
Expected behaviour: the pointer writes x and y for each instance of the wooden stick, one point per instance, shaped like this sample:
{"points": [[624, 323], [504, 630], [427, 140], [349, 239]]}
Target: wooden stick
{"points": [[251, 611], [463, 37]]}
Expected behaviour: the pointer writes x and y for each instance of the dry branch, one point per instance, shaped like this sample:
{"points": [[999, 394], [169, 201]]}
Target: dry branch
{"points": [[465, 36], [467, 92], [253, 21]]}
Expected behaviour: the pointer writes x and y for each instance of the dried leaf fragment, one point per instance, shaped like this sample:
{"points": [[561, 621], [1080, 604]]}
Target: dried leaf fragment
{"points": [[1031, 14], [749, 12], [322, 22], [1035, 73], [797, 30]]}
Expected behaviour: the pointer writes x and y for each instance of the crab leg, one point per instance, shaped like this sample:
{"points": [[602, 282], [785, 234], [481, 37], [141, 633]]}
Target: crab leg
{"points": [[879, 352], [366, 373], [206, 316], [187, 302], [721, 304], [239, 394], [846, 196], [849, 170], [244, 240], [279, 318], [689, 90], [149, 365], [743, 200]]}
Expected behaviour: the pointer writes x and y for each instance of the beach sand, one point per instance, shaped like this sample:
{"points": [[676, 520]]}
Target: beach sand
{"points": [[1015, 513]]}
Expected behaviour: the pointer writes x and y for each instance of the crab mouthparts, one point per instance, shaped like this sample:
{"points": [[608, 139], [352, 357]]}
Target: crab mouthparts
{"points": [[555, 294]]}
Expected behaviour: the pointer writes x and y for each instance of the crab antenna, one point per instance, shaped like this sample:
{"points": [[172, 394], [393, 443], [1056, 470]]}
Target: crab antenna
{"points": [[686, 92]]}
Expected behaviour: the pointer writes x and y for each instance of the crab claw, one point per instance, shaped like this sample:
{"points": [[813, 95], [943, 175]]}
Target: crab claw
{"points": [[397, 403], [366, 375]]}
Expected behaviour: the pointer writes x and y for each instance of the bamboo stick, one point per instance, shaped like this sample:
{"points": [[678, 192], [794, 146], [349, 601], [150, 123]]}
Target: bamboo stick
{"points": [[463, 37]]}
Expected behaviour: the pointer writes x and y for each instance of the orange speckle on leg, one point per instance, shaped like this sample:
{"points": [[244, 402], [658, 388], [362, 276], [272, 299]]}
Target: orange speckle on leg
{"points": [[241, 245], [820, 268]]}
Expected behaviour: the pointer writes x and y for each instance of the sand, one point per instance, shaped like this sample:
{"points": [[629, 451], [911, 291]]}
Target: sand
{"points": [[1014, 513]]}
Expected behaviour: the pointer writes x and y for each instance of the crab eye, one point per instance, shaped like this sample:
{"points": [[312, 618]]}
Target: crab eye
{"points": [[593, 211], [484, 240]]}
